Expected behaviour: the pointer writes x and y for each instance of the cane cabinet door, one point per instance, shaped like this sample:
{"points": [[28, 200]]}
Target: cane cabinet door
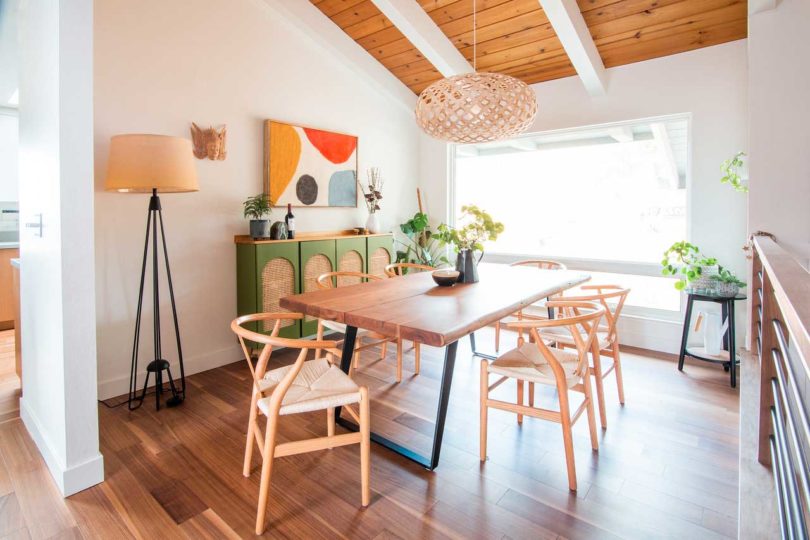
{"points": [[380, 254], [317, 257], [351, 257], [277, 276]]}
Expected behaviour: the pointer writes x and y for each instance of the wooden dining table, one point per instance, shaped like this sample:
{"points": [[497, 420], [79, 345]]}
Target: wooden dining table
{"points": [[414, 308]]}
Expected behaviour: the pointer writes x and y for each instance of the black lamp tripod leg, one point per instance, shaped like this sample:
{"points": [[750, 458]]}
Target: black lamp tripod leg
{"points": [[159, 364], [174, 312], [133, 374], [153, 204]]}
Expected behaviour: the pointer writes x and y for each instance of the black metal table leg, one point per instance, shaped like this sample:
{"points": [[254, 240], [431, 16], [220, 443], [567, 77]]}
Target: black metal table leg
{"points": [[346, 357], [475, 351], [687, 321], [429, 462], [444, 399]]}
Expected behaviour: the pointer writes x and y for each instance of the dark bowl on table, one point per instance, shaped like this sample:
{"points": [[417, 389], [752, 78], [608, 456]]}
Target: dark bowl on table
{"points": [[445, 277]]}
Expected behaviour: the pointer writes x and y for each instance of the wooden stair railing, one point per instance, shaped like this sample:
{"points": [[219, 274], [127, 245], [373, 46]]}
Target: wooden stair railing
{"points": [[780, 320]]}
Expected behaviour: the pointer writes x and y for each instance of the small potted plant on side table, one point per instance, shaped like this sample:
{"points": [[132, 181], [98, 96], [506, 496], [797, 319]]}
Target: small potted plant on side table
{"points": [[692, 268], [726, 284], [256, 208], [479, 227]]}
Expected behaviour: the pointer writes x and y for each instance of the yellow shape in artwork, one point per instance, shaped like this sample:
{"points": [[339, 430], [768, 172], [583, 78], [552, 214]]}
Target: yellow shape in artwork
{"points": [[283, 146]]}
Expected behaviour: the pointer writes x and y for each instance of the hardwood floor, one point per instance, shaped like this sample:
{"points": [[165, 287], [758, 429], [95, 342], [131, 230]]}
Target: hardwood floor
{"points": [[667, 465], [9, 382]]}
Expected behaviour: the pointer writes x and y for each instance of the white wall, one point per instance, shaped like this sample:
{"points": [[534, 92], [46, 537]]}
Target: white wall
{"points": [[709, 83], [779, 85], [59, 405], [8, 155], [162, 65]]}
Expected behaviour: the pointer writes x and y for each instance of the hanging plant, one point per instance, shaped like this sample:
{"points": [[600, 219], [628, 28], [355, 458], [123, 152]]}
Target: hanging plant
{"points": [[731, 172]]}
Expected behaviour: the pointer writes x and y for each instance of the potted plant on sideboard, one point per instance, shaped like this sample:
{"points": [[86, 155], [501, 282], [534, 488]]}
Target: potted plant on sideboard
{"points": [[256, 208]]}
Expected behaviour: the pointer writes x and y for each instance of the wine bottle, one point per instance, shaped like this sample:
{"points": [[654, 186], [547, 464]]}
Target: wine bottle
{"points": [[289, 220]]}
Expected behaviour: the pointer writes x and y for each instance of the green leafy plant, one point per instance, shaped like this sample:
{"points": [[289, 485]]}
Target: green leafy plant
{"points": [[727, 276], [258, 206], [685, 261], [416, 225], [418, 245], [731, 172], [478, 227]]}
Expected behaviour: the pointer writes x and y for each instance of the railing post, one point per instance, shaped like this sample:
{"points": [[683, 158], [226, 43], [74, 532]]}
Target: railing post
{"points": [[766, 368]]}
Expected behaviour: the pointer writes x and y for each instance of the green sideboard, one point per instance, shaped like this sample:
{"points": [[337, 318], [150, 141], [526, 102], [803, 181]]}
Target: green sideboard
{"points": [[268, 270]]}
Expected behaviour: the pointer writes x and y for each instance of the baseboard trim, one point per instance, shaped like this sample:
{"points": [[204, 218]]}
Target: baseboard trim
{"points": [[119, 386], [69, 480]]}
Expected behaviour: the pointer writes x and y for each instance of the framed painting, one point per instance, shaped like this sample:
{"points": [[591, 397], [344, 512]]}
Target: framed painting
{"points": [[309, 167]]}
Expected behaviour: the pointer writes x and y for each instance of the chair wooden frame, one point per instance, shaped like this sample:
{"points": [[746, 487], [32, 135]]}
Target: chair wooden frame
{"points": [[575, 315], [395, 270], [604, 294], [329, 281], [266, 442], [542, 264]]}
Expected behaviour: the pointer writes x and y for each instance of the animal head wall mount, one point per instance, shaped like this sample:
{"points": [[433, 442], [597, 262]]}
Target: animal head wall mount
{"points": [[208, 143]]}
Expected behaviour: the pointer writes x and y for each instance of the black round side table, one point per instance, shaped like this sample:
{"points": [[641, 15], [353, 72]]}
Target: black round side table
{"points": [[728, 356]]}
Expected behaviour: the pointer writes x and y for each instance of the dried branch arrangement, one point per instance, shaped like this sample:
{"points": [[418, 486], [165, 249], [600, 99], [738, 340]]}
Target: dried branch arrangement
{"points": [[373, 195]]}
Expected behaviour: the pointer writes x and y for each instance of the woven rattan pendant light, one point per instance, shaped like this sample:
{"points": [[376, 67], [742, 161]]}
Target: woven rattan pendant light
{"points": [[476, 107]]}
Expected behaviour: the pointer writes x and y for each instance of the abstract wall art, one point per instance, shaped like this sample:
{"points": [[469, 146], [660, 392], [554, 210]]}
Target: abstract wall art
{"points": [[309, 167]]}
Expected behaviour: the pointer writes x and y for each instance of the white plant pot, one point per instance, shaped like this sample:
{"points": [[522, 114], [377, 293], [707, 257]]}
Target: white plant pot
{"points": [[705, 280], [373, 223], [726, 289]]}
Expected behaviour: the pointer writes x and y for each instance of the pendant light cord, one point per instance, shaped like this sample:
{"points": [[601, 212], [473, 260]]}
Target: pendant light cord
{"points": [[475, 41]]}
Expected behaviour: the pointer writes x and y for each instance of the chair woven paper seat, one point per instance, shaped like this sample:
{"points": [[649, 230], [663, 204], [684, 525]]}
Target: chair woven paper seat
{"points": [[318, 386], [563, 336], [527, 363]]}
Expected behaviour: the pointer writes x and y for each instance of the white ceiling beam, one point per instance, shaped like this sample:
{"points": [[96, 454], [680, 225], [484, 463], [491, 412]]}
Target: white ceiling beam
{"points": [[466, 150], [416, 25], [523, 144], [661, 136], [758, 6], [621, 134], [567, 21], [333, 40]]}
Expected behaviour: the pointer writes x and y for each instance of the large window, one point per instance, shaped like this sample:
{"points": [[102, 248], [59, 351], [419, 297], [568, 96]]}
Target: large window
{"points": [[607, 199]]}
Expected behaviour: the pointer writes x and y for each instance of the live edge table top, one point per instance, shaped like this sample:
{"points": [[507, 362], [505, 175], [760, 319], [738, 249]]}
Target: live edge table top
{"points": [[414, 308]]}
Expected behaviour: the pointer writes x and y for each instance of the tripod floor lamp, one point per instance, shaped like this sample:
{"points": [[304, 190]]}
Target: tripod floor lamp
{"points": [[153, 164]]}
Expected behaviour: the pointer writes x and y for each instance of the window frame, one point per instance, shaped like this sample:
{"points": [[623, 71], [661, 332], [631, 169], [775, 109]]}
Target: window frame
{"points": [[586, 264]]}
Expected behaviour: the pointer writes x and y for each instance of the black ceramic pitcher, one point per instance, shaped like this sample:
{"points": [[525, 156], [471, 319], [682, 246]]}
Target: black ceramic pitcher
{"points": [[467, 266]]}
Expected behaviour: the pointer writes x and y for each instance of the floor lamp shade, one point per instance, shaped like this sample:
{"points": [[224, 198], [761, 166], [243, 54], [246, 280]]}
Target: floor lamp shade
{"points": [[143, 163]]}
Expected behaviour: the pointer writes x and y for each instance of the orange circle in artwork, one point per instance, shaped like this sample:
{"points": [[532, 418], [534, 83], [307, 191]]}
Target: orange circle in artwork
{"points": [[336, 147]]}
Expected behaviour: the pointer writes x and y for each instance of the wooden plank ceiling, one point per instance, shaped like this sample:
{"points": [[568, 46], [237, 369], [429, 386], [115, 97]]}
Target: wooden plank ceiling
{"points": [[516, 38]]}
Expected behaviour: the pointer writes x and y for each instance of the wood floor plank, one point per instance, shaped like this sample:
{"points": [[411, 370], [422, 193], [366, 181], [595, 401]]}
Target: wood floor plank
{"points": [[208, 526], [98, 516], [11, 517], [666, 467]]}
